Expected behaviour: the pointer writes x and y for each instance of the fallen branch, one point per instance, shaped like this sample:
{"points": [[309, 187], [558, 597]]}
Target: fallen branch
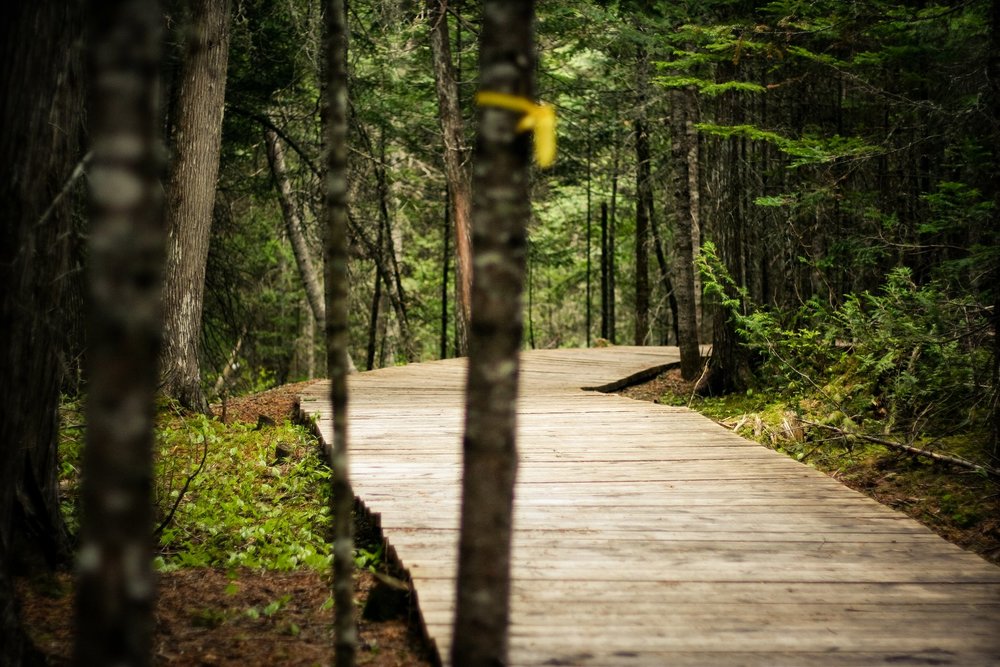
{"points": [[915, 451], [180, 496]]}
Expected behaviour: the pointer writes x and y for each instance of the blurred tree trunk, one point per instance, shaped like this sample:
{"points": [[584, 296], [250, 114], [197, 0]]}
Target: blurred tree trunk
{"points": [[335, 96], [500, 215], [684, 284], [115, 586], [197, 138], [459, 187], [40, 108]]}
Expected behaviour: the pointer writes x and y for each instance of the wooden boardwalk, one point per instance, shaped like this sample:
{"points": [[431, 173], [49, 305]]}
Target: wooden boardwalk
{"points": [[648, 535]]}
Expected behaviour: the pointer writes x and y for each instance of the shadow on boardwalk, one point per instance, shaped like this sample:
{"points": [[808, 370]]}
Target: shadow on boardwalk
{"points": [[648, 535]]}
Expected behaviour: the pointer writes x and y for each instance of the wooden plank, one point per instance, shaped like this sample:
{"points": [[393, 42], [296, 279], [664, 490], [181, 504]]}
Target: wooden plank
{"points": [[649, 535]]}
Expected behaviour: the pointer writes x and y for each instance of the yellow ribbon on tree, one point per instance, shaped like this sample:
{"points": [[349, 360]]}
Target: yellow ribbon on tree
{"points": [[540, 118]]}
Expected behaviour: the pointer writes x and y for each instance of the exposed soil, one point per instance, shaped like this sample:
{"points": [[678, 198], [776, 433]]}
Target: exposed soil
{"points": [[242, 618], [961, 507]]}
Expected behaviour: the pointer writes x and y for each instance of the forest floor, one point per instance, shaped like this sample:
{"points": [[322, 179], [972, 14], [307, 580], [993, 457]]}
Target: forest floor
{"points": [[245, 617]]}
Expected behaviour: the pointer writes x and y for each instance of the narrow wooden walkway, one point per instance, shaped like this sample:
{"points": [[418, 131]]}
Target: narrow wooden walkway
{"points": [[648, 535]]}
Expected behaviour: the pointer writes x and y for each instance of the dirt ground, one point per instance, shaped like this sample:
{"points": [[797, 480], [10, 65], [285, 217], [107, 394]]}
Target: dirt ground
{"points": [[239, 619]]}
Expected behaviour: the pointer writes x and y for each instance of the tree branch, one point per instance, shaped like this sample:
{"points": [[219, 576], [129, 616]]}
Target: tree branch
{"points": [[910, 449]]}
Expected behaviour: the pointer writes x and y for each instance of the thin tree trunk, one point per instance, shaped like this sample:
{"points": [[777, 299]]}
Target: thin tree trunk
{"points": [[445, 271], [612, 237], [501, 211], [227, 370], [335, 212], [687, 324], [589, 229], [293, 227], [993, 71], [40, 110], [373, 319], [115, 585], [197, 138], [604, 272], [389, 250], [643, 201], [694, 196], [453, 135]]}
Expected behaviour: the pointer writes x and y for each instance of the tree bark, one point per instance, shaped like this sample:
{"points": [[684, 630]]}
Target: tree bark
{"points": [[993, 71], [41, 111], [335, 95], [115, 585], [687, 324], [501, 211], [605, 314], [643, 202], [293, 227], [459, 187], [445, 271], [197, 138], [612, 239], [694, 196]]}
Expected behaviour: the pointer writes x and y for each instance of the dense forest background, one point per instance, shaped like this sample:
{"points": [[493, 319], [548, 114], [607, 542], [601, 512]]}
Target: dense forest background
{"points": [[811, 188], [833, 164]]}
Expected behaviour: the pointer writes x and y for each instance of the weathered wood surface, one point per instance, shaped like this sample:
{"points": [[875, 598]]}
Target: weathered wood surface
{"points": [[648, 535]]}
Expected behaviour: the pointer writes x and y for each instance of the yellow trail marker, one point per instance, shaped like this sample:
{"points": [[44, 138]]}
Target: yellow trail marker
{"points": [[540, 118]]}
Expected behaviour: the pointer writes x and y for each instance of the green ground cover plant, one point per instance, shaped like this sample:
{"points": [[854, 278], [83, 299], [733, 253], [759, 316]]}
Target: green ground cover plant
{"points": [[226, 495]]}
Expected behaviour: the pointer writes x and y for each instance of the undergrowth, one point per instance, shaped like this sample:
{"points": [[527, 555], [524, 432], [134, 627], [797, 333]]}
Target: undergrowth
{"points": [[256, 498], [891, 391]]}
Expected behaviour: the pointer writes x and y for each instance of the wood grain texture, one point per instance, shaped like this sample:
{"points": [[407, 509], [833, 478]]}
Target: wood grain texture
{"points": [[648, 535]]}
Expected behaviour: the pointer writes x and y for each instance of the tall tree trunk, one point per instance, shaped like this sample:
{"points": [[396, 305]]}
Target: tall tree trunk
{"points": [[376, 309], [643, 202], [501, 211], [293, 227], [308, 273], [612, 239], [604, 272], [729, 366], [115, 586], [687, 324], [335, 95], [459, 187], [445, 271], [390, 250], [197, 137], [694, 196], [590, 224], [993, 71], [40, 108]]}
